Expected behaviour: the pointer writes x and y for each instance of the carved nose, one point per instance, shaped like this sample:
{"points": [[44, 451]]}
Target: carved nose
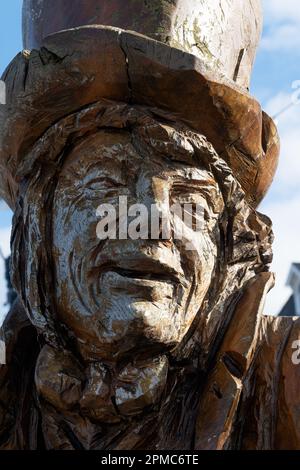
{"points": [[152, 190], [161, 193]]}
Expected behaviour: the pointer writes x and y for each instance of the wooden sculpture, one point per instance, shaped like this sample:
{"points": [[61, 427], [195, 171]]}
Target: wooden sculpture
{"points": [[141, 344]]}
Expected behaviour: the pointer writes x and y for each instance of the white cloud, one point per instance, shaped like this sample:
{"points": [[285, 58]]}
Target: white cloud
{"points": [[5, 248], [282, 25], [281, 10], [284, 37], [283, 202], [286, 220], [281, 33], [288, 175]]}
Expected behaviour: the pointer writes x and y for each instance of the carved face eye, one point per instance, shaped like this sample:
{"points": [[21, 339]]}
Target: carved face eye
{"points": [[103, 183], [99, 186]]}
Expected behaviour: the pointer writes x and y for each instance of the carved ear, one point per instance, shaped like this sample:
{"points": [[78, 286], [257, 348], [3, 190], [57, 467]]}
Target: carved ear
{"points": [[252, 237], [265, 236]]}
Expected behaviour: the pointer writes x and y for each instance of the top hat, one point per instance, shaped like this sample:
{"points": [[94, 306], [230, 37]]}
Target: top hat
{"points": [[73, 68], [224, 33]]}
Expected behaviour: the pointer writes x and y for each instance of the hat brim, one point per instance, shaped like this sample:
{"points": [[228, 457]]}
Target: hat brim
{"points": [[80, 66]]}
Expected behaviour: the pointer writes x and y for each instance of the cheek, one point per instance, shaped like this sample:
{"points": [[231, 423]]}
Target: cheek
{"points": [[74, 219], [204, 247], [201, 259], [207, 259], [200, 256], [74, 235], [199, 250]]}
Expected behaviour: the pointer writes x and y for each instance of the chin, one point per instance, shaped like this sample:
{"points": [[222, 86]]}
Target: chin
{"points": [[142, 328]]}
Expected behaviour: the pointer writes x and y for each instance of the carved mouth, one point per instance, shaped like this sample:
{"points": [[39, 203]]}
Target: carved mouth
{"points": [[147, 276]]}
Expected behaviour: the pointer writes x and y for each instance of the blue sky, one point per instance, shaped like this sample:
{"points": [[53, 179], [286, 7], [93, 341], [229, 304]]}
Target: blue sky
{"points": [[10, 45], [276, 68]]}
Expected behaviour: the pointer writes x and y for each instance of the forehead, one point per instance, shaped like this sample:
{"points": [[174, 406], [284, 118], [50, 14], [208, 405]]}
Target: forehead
{"points": [[114, 152]]}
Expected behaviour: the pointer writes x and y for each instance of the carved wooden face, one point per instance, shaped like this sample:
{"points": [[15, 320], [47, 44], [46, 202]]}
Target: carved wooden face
{"points": [[123, 296]]}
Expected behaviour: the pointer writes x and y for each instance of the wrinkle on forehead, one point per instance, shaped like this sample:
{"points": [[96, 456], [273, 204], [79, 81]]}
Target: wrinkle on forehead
{"points": [[112, 149]]}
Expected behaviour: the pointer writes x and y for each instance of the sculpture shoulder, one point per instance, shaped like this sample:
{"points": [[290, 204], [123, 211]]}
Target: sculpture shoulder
{"points": [[17, 383], [251, 396], [275, 379]]}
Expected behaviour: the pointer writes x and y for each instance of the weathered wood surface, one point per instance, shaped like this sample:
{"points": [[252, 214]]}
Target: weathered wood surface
{"points": [[251, 399], [96, 62], [223, 33], [140, 344]]}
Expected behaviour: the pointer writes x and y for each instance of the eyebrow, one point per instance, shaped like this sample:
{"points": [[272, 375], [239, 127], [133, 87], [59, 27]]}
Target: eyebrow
{"points": [[201, 182], [103, 179], [202, 185]]}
